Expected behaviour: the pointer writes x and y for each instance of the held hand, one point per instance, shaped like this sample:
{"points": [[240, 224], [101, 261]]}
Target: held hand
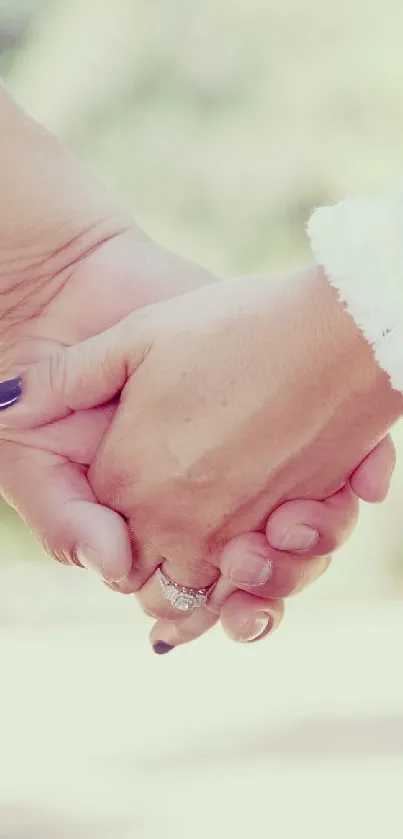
{"points": [[117, 275], [64, 515], [219, 419], [71, 264]]}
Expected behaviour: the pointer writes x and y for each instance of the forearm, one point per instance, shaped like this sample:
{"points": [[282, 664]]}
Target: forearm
{"points": [[54, 218], [344, 369], [45, 196]]}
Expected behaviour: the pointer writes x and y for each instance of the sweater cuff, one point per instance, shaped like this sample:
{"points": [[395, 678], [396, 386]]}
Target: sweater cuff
{"points": [[359, 244]]}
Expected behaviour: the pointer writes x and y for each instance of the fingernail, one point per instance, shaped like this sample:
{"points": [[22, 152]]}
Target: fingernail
{"points": [[10, 393], [298, 538], [250, 569], [161, 647], [256, 627], [90, 559]]}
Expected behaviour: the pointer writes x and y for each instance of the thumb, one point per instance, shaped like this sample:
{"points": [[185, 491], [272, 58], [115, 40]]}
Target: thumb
{"points": [[64, 515], [74, 378]]}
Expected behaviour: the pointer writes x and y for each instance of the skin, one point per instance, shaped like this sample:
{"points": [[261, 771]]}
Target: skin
{"points": [[64, 241], [201, 366], [64, 516]]}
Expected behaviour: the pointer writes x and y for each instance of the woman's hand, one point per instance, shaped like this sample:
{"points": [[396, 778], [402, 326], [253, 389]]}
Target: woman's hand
{"points": [[111, 279], [237, 398]]}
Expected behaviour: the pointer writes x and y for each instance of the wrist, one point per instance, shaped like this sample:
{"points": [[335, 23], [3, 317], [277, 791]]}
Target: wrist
{"points": [[349, 364]]}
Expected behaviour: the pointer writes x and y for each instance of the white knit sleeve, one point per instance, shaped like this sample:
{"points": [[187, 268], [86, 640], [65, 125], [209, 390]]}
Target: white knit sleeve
{"points": [[359, 244]]}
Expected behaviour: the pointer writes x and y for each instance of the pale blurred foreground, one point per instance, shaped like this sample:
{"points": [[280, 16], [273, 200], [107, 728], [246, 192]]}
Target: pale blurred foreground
{"points": [[220, 124], [301, 736]]}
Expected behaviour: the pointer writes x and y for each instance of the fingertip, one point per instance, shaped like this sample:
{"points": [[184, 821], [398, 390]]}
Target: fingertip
{"points": [[247, 560], [54, 498], [311, 528], [103, 544], [163, 637], [28, 401], [10, 393], [293, 527], [372, 478], [176, 633], [246, 543], [162, 648], [247, 619]]}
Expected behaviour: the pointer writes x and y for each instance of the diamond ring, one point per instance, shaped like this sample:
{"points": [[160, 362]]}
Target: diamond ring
{"points": [[183, 598]]}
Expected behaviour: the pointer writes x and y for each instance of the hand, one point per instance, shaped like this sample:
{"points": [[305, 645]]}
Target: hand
{"points": [[333, 520], [63, 242], [189, 515], [119, 274]]}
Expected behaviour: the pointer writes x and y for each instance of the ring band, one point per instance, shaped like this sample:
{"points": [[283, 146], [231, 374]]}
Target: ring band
{"points": [[183, 598]]}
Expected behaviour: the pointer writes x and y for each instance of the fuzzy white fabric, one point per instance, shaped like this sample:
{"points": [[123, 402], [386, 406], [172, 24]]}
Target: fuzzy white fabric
{"points": [[359, 244]]}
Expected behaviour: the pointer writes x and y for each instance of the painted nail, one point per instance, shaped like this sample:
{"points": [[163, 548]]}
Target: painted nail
{"points": [[89, 558], [298, 538], [161, 647], [256, 627], [250, 569], [10, 393]]}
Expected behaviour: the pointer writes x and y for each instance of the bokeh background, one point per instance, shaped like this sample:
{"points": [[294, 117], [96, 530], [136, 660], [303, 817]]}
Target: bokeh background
{"points": [[220, 124]]}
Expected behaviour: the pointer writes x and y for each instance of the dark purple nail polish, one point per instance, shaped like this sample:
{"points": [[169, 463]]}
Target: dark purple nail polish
{"points": [[160, 647], [10, 392]]}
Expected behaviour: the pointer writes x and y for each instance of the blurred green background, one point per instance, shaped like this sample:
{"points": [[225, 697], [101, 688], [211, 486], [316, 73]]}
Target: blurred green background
{"points": [[220, 125]]}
